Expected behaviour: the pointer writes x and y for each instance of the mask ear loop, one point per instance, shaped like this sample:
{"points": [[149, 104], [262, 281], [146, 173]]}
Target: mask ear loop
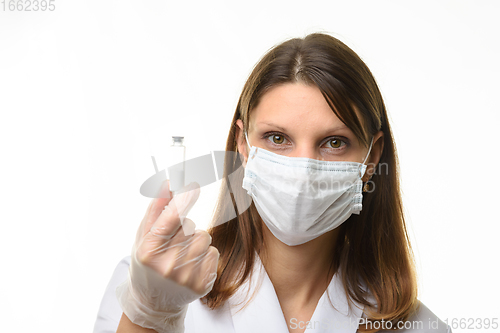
{"points": [[248, 142], [363, 164]]}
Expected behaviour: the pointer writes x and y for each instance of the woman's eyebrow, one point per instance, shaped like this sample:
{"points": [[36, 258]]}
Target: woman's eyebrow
{"points": [[336, 128], [272, 125]]}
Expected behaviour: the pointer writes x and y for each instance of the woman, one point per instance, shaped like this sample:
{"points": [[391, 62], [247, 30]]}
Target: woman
{"points": [[323, 245]]}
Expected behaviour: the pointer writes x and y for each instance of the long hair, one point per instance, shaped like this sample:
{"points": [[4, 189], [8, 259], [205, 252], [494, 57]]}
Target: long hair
{"points": [[373, 249]]}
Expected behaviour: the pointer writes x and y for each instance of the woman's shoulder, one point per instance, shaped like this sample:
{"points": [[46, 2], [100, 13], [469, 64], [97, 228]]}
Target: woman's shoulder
{"points": [[110, 312], [423, 321], [199, 318]]}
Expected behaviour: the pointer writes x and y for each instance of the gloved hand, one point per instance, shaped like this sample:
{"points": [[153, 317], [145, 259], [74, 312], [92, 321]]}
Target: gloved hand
{"points": [[171, 264]]}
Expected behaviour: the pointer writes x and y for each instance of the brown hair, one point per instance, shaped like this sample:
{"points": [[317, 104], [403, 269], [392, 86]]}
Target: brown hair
{"points": [[373, 248]]}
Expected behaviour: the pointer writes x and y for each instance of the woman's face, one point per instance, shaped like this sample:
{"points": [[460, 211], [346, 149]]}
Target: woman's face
{"points": [[295, 120]]}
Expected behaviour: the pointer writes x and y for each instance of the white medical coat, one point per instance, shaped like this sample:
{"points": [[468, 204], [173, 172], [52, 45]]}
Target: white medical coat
{"points": [[263, 313]]}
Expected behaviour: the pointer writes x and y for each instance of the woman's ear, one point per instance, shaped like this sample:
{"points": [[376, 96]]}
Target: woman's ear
{"points": [[241, 142], [375, 154]]}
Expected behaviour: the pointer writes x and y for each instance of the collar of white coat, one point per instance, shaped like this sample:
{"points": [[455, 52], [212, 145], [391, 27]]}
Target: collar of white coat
{"points": [[263, 313]]}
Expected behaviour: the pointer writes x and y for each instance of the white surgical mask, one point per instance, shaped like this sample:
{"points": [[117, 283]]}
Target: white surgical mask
{"points": [[300, 198]]}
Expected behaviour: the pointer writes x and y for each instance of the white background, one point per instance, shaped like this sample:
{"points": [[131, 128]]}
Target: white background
{"points": [[90, 91]]}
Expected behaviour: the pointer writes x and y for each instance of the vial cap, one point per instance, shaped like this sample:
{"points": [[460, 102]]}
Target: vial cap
{"points": [[177, 139]]}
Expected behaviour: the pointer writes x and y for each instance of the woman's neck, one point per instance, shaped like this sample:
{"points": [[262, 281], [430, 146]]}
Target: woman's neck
{"points": [[300, 274]]}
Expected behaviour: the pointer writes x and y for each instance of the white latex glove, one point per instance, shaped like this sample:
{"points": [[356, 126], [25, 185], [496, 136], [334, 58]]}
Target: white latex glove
{"points": [[172, 264]]}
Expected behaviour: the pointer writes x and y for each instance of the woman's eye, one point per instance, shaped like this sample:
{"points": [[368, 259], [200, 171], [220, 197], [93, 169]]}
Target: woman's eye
{"points": [[276, 139], [335, 143]]}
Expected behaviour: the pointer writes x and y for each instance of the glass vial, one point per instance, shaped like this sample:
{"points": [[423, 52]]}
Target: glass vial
{"points": [[176, 158]]}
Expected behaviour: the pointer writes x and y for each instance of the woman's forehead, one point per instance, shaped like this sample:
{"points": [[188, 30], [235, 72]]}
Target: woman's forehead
{"points": [[295, 105]]}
